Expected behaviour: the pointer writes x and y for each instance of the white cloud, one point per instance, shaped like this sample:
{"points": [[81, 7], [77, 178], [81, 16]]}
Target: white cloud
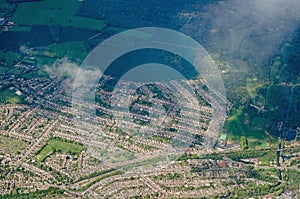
{"points": [[63, 67]]}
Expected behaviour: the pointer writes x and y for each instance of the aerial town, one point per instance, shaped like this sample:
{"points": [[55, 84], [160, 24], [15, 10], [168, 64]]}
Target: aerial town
{"points": [[181, 138], [43, 151]]}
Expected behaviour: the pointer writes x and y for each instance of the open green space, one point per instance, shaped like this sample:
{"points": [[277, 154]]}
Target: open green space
{"points": [[238, 124], [235, 123], [11, 145], [10, 96], [281, 105], [8, 58], [71, 50], [56, 145], [54, 12]]}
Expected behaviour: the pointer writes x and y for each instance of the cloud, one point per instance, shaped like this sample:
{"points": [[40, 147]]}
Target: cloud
{"points": [[25, 50], [63, 67], [245, 29]]}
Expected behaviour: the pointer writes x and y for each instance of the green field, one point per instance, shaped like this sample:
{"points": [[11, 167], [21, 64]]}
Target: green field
{"points": [[10, 96], [72, 50], [55, 145], [9, 57], [54, 12], [234, 124], [11, 145], [237, 125]]}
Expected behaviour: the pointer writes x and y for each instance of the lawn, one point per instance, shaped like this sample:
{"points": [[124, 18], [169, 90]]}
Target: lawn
{"points": [[10, 96], [58, 145], [54, 12]]}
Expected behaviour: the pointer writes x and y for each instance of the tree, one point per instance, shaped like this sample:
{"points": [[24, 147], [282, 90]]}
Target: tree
{"points": [[243, 143]]}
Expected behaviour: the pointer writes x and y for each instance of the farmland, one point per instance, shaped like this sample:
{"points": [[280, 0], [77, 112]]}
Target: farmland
{"points": [[54, 12]]}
